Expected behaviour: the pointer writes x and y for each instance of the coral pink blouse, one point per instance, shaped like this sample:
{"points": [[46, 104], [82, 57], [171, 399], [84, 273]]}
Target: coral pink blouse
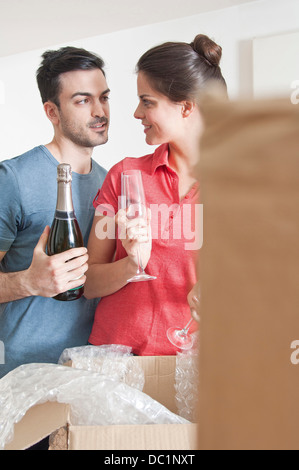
{"points": [[139, 314]]}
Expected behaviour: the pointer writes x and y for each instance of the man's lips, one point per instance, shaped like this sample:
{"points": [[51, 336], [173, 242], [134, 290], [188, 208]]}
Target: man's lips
{"points": [[99, 125]]}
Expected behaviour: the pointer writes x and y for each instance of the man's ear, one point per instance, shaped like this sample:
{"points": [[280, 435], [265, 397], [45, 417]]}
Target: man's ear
{"points": [[52, 112], [187, 108]]}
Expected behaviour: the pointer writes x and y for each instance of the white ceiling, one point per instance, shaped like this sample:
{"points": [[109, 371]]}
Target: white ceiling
{"points": [[32, 24]]}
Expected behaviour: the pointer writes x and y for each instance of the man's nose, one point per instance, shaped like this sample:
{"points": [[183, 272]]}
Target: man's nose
{"points": [[98, 110]]}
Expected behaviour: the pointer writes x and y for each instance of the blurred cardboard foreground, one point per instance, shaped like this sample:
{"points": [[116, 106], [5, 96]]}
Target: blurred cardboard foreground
{"points": [[249, 275]]}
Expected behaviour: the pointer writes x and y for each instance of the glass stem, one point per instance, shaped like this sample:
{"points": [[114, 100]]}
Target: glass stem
{"points": [[140, 267], [186, 329]]}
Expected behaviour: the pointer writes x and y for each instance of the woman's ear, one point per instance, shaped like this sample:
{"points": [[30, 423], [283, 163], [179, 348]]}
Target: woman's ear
{"points": [[52, 112], [187, 108]]}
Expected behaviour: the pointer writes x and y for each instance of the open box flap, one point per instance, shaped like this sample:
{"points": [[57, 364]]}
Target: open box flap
{"points": [[30, 386], [39, 422]]}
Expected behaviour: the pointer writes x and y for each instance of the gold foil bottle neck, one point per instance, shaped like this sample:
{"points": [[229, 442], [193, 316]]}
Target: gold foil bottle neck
{"points": [[64, 173]]}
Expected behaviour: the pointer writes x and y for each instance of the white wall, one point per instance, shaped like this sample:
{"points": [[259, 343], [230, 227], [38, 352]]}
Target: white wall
{"points": [[275, 64], [24, 125]]}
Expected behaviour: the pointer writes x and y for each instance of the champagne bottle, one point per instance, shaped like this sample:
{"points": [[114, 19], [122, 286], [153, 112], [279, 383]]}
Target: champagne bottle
{"points": [[65, 231]]}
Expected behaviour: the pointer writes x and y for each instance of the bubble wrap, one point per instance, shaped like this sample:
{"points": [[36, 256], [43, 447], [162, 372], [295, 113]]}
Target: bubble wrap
{"points": [[114, 361], [186, 384], [94, 399]]}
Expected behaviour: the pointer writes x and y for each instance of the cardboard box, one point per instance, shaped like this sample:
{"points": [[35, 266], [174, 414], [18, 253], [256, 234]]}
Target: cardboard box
{"points": [[45, 419], [249, 171]]}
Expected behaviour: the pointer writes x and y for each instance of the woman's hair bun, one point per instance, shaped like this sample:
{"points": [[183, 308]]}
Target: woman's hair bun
{"points": [[208, 49]]}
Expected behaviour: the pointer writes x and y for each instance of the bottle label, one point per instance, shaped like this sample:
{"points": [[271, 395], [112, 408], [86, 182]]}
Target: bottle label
{"points": [[62, 215]]}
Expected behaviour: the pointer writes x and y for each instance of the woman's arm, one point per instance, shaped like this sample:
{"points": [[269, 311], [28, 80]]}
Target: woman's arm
{"points": [[105, 276]]}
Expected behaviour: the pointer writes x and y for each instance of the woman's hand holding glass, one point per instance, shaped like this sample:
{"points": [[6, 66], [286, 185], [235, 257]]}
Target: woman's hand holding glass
{"points": [[135, 235], [194, 302], [137, 231], [180, 337]]}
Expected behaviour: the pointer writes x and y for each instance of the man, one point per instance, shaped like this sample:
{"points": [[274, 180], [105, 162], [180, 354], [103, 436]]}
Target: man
{"points": [[33, 326]]}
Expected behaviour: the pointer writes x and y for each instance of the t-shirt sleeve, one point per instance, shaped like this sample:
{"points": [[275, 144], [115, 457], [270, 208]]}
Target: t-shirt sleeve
{"points": [[107, 199], [10, 207]]}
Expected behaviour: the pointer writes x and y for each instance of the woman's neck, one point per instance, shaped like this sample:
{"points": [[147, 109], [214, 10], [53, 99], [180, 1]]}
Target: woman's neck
{"points": [[183, 163], [183, 159]]}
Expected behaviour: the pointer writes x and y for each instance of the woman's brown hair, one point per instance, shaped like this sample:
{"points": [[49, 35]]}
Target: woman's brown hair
{"points": [[180, 70]]}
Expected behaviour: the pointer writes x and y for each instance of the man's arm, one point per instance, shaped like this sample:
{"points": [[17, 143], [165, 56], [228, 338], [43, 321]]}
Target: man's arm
{"points": [[47, 276], [11, 285]]}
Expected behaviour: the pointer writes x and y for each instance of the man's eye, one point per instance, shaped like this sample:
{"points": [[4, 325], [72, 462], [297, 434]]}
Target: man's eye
{"points": [[105, 99], [83, 101]]}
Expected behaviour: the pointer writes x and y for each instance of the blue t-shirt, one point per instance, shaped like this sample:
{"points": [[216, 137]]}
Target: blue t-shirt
{"points": [[38, 329]]}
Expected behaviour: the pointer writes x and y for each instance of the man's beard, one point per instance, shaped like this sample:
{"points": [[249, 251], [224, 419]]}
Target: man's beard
{"points": [[78, 135]]}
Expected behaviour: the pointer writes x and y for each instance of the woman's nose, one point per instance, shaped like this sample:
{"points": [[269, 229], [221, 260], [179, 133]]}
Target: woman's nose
{"points": [[138, 113]]}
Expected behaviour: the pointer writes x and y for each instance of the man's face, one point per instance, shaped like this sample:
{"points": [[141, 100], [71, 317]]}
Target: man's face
{"points": [[84, 107]]}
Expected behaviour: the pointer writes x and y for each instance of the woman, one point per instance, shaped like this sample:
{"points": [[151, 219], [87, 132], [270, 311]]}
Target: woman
{"points": [[170, 78]]}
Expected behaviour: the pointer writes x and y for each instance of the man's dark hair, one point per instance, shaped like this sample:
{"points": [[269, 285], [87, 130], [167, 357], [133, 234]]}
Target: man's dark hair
{"points": [[55, 63]]}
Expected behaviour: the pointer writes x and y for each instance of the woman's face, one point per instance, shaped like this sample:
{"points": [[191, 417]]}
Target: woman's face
{"points": [[161, 118]]}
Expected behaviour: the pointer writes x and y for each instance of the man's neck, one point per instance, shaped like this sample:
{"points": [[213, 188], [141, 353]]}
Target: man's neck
{"points": [[67, 152]]}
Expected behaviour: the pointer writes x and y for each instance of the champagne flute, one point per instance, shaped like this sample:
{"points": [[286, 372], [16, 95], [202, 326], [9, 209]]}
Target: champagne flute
{"points": [[133, 200], [181, 338]]}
